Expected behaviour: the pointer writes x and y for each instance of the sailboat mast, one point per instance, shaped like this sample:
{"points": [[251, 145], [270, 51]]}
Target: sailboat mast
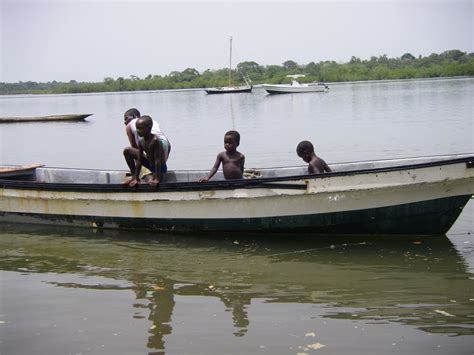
{"points": [[230, 63]]}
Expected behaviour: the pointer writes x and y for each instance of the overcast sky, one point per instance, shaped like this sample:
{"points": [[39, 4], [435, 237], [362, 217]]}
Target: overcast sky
{"points": [[86, 40]]}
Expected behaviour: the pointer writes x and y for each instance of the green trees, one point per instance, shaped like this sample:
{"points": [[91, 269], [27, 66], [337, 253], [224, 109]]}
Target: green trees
{"points": [[289, 64], [448, 63], [407, 57]]}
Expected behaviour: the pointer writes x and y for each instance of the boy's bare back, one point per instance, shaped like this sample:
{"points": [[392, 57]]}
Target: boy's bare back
{"points": [[317, 166]]}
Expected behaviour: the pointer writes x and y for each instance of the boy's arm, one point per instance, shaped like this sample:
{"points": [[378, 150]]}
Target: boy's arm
{"points": [[242, 163], [138, 168], [158, 155], [326, 167], [214, 169]]}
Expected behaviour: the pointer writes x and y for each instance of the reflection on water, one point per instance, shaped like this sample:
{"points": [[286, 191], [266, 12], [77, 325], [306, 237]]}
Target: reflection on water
{"points": [[414, 281]]}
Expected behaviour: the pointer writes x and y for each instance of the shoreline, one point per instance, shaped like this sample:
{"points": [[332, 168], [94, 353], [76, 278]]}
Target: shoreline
{"points": [[140, 92]]}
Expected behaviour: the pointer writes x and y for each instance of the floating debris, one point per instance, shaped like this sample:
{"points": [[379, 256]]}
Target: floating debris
{"points": [[312, 334], [444, 313], [316, 346]]}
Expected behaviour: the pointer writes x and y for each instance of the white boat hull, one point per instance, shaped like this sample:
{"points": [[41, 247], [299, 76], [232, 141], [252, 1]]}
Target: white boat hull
{"points": [[422, 198], [229, 89], [291, 89]]}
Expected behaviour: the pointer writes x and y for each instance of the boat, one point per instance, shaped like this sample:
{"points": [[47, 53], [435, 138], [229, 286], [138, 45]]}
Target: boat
{"points": [[19, 171], [295, 86], [423, 196], [231, 89], [71, 117]]}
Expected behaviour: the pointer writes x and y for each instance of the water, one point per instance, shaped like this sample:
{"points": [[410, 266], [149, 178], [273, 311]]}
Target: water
{"points": [[78, 291], [352, 122]]}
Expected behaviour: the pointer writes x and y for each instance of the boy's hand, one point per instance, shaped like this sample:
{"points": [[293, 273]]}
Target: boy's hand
{"points": [[153, 182], [204, 180], [133, 182]]}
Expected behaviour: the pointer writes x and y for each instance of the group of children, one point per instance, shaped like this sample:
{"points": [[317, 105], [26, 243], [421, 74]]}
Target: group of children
{"points": [[150, 148]]}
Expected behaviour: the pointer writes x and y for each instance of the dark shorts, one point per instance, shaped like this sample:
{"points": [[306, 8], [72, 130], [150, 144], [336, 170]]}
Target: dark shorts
{"points": [[163, 169]]}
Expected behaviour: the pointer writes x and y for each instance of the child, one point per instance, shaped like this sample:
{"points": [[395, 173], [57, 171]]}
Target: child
{"points": [[130, 153], [151, 149], [232, 160], [316, 165]]}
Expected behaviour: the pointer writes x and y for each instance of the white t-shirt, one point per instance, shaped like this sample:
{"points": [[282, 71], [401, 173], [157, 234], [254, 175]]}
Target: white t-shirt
{"points": [[155, 129]]}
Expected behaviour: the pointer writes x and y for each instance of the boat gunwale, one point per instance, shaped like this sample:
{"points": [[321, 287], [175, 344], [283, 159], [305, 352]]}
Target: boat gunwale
{"points": [[270, 182]]}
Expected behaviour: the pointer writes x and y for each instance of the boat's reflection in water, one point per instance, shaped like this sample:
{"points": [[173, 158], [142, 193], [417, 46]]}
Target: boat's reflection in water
{"points": [[379, 279]]}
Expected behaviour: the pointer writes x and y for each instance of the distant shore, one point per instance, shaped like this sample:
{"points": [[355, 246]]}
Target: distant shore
{"points": [[451, 63], [400, 80], [256, 86]]}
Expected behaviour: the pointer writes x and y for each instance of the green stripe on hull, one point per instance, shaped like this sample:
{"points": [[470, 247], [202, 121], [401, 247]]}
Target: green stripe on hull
{"points": [[432, 217]]}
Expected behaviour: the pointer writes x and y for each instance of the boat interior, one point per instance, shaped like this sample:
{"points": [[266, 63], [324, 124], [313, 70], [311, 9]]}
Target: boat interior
{"points": [[93, 176]]}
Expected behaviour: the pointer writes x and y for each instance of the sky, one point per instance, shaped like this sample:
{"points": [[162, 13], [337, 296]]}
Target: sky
{"points": [[89, 40]]}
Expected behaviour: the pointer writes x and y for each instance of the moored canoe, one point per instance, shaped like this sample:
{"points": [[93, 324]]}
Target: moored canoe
{"points": [[72, 117]]}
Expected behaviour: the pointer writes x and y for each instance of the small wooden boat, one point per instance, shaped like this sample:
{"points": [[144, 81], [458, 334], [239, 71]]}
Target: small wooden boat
{"points": [[421, 196], [73, 117], [295, 86]]}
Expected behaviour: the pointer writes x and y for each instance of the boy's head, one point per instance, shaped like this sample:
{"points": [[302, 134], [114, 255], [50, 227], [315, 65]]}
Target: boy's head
{"points": [[305, 150], [130, 114], [231, 140], [144, 125]]}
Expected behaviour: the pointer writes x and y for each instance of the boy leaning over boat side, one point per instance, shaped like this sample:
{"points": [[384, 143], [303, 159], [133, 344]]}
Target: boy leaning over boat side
{"points": [[151, 148], [130, 153], [316, 165], [232, 160]]}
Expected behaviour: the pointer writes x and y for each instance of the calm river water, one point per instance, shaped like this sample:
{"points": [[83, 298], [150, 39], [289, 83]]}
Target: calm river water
{"points": [[78, 291]]}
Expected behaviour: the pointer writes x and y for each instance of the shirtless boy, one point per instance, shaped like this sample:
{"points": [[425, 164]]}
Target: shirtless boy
{"points": [[316, 165], [232, 160], [151, 149], [130, 118]]}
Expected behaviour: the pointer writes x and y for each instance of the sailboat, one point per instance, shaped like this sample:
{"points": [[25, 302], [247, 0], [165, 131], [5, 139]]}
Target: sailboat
{"points": [[230, 88]]}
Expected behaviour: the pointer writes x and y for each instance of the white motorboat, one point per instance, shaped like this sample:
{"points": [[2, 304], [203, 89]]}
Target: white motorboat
{"points": [[295, 86]]}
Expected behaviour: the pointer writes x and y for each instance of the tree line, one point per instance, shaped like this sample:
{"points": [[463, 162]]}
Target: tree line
{"points": [[449, 63]]}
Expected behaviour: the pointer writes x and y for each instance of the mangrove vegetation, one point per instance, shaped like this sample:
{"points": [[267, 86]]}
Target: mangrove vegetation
{"points": [[447, 64]]}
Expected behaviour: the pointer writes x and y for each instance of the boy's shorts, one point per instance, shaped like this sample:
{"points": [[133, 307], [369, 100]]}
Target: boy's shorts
{"points": [[164, 167]]}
